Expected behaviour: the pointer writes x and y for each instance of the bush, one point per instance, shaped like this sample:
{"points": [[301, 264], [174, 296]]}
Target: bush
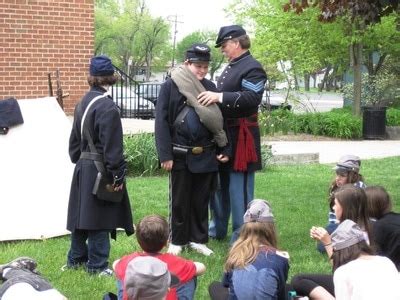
{"points": [[393, 117], [339, 123], [141, 155], [266, 155], [275, 121]]}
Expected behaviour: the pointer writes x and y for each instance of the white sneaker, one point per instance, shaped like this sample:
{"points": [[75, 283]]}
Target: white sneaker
{"points": [[174, 249], [201, 248]]}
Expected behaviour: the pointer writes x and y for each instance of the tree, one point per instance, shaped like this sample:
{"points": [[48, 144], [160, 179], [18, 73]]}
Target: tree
{"points": [[295, 38], [360, 15], [154, 36], [126, 32]]}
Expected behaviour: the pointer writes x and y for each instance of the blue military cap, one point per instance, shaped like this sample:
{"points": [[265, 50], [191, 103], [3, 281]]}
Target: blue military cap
{"points": [[198, 52], [10, 114], [228, 33], [101, 65]]}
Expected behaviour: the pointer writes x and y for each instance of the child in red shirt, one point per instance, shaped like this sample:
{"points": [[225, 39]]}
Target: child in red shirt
{"points": [[152, 235]]}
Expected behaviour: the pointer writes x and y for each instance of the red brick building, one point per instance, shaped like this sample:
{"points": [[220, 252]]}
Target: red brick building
{"points": [[39, 36]]}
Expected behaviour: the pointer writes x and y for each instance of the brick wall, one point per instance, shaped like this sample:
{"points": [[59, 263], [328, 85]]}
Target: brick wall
{"points": [[39, 36]]}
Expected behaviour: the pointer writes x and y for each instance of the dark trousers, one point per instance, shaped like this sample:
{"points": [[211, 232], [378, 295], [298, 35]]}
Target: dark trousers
{"points": [[217, 291], [303, 284], [189, 197], [94, 254]]}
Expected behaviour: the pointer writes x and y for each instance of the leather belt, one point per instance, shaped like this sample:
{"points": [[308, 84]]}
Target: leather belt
{"points": [[91, 156], [194, 149], [236, 121]]}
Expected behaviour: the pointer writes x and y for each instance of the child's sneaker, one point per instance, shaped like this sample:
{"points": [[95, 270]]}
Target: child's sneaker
{"points": [[106, 273], [174, 249], [201, 248]]}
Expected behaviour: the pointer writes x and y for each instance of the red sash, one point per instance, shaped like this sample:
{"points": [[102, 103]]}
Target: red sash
{"points": [[245, 148]]}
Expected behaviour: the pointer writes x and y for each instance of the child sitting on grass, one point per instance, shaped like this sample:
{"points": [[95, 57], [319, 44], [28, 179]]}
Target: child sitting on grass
{"points": [[347, 171], [357, 272], [386, 228], [255, 269], [152, 235]]}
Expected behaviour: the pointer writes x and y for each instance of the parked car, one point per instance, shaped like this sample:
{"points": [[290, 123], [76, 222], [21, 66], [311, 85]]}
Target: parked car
{"points": [[271, 101], [131, 104], [149, 90]]}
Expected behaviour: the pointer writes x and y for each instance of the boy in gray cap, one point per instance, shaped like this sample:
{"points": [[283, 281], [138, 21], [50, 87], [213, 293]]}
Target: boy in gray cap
{"points": [[147, 277]]}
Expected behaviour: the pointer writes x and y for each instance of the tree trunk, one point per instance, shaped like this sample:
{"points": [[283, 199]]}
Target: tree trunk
{"points": [[379, 65], [370, 64], [314, 77], [296, 82], [324, 80], [330, 84], [357, 63], [307, 82], [286, 75]]}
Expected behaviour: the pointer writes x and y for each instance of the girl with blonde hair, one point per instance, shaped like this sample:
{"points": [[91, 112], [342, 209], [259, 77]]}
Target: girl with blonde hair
{"points": [[254, 269]]}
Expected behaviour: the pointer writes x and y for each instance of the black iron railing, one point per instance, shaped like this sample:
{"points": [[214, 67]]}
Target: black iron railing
{"points": [[135, 99]]}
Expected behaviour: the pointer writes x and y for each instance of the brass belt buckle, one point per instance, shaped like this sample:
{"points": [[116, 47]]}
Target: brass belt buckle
{"points": [[197, 150]]}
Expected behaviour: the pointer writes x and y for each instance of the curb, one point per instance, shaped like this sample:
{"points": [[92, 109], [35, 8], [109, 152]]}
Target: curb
{"points": [[291, 159]]}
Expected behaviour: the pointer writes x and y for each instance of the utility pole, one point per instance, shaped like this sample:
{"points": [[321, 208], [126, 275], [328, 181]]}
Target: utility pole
{"points": [[175, 21]]}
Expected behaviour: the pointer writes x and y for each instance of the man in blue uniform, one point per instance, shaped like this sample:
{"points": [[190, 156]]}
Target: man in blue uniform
{"points": [[240, 86], [91, 219], [186, 147]]}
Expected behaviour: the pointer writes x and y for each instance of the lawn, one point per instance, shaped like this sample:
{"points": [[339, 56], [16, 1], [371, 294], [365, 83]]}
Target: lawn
{"points": [[299, 199]]}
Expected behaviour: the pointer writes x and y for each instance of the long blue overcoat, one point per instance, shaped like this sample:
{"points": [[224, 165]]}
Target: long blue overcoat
{"points": [[85, 210]]}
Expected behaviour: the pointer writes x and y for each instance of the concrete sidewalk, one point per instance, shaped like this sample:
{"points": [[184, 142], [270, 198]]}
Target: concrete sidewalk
{"points": [[331, 151], [303, 151]]}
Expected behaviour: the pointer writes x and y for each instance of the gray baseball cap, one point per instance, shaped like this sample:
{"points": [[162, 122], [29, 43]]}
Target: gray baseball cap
{"points": [[147, 278], [347, 234], [348, 163], [258, 210]]}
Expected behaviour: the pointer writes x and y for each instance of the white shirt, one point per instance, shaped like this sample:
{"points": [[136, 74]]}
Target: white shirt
{"points": [[367, 278]]}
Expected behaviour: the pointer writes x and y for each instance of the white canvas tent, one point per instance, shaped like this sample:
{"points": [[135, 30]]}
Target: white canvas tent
{"points": [[35, 173]]}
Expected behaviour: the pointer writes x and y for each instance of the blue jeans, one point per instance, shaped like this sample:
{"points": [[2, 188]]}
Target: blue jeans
{"points": [[235, 191], [94, 254], [184, 291]]}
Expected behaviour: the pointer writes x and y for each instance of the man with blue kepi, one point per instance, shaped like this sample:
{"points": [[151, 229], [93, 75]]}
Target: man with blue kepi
{"points": [[241, 86]]}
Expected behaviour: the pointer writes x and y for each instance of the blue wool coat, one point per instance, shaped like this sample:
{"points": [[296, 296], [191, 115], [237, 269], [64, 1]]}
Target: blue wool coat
{"points": [[191, 132], [85, 210], [242, 83]]}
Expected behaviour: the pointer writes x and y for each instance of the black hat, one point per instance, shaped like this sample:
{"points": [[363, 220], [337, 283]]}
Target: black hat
{"points": [[228, 33], [198, 52], [10, 114], [101, 66]]}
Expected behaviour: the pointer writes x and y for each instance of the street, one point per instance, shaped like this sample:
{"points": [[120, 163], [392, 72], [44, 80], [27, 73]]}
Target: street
{"points": [[310, 101]]}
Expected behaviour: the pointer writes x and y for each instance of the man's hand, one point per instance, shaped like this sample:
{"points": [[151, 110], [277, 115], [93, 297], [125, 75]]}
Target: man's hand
{"points": [[118, 187], [167, 165], [207, 98], [222, 158]]}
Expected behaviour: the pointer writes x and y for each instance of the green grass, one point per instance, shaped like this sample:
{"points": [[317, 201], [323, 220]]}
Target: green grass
{"points": [[298, 195]]}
